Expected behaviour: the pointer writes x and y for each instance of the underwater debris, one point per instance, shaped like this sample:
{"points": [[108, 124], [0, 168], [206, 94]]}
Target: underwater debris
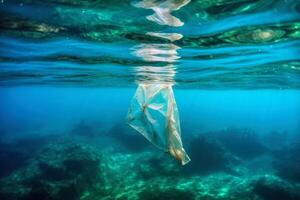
{"points": [[162, 11], [169, 36], [153, 113]]}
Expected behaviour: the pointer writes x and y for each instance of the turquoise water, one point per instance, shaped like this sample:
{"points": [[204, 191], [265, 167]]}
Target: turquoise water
{"points": [[224, 44], [69, 73]]}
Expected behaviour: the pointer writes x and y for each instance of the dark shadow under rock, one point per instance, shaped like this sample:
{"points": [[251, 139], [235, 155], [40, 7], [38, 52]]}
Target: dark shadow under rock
{"points": [[11, 160], [128, 138], [243, 143], [38, 191], [207, 156], [13, 155], [171, 194], [158, 166], [276, 140], [32, 144], [275, 189], [287, 163], [59, 171], [53, 173], [289, 170]]}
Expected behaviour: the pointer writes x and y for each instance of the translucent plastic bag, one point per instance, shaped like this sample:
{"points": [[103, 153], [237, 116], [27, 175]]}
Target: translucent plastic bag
{"points": [[153, 113]]}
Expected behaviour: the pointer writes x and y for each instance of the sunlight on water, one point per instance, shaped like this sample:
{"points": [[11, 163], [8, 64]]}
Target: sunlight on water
{"points": [[221, 44]]}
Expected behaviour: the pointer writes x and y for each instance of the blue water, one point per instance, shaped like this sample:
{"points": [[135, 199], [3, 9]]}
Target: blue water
{"points": [[29, 108], [69, 71]]}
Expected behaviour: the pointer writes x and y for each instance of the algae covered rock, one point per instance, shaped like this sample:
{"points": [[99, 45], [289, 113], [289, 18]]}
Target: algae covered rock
{"points": [[287, 163], [63, 170], [14, 154], [208, 156], [127, 139], [174, 194], [244, 143], [10, 159], [272, 187]]}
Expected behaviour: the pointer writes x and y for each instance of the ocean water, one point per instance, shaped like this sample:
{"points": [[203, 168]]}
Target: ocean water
{"points": [[72, 73]]}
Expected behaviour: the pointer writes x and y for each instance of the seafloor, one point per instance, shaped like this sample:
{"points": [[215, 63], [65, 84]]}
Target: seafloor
{"points": [[229, 164]]}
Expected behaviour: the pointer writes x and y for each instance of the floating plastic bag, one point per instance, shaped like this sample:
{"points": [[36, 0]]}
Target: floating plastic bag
{"points": [[153, 113], [162, 10]]}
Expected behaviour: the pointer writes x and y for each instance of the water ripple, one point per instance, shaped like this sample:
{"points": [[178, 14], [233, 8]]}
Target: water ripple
{"points": [[223, 44]]}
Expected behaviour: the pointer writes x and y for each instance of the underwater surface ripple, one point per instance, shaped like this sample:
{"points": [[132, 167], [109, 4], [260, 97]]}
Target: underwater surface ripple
{"points": [[224, 44], [211, 89]]}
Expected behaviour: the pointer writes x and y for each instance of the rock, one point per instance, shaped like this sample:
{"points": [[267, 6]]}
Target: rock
{"points": [[70, 169], [14, 154], [62, 170], [271, 188], [243, 143], [11, 160], [172, 194], [287, 163], [207, 156], [128, 138], [276, 140]]}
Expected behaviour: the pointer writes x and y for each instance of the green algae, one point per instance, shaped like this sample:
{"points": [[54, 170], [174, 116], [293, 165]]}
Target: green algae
{"points": [[73, 169], [60, 170]]}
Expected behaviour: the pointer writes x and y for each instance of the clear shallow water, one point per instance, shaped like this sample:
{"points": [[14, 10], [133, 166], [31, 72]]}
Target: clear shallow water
{"points": [[69, 69], [72, 143]]}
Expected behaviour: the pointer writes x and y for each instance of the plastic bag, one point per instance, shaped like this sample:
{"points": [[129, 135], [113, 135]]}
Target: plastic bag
{"points": [[153, 113], [162, 10]]}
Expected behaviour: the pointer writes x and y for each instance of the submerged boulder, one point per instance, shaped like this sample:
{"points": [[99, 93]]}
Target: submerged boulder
{"points": [[243, 143], [208, 156], [128, 138], [63, 170], [11, 160], [276, 140], [15, 153], [287, 162], [272, 187], [70, 169], [155, 193]]}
